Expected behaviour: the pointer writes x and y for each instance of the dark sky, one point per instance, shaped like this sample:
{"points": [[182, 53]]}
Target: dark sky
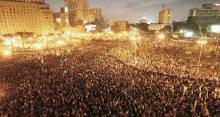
{"points": [[133, 9]]}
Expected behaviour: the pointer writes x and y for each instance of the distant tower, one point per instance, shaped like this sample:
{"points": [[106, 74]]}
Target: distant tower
{"points": [[77, 10], [166, 16]]}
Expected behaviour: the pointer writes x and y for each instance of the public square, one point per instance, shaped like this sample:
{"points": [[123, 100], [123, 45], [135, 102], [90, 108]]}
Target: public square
{"points": [[109, 58], [117, 77]]}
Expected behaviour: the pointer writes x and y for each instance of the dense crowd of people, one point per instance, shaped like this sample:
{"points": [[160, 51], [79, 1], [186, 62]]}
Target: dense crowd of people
{"points": [[95, 81], [170, 57]]}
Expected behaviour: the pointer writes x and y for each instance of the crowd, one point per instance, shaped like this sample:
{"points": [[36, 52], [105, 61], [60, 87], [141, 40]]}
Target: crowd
{"points": [[94, 82], [168, 57]]}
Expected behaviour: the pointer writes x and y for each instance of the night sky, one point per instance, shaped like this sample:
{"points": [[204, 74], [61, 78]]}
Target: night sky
{"points": [[133, 9]]}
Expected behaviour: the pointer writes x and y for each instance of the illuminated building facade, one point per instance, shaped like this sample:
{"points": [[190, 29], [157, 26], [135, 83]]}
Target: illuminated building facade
{"points": [[200, 19], [206, 10], [165, 21], [60, 18], [156, 27], [166, 17], [94, 15], [33, 16], [77, 11], [119, 26]]}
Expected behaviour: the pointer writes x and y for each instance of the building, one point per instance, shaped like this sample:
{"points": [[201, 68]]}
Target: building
{"points": [[179, 25], [165, 21], [156, 27], [200, 19], [166, 17], [206, 10], [80, 12], [94, 15], [33, 16], [119, 26], [47, 26], [77, 11], [61, 19]]}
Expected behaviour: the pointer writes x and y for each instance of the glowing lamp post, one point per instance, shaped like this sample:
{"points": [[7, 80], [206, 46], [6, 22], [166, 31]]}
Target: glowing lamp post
{"points": [[135, 39], [161, 36], [201, 43], [188, 34]]}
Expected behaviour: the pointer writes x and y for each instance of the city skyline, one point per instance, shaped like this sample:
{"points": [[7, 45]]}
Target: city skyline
{"points": [[131, 10]]}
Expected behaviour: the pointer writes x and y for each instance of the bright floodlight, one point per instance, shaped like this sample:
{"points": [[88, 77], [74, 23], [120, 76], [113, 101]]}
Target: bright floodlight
{"points": [[181, 31], [66, 9], [215, 28], [161, 36], [189, 34], [7, 53]]}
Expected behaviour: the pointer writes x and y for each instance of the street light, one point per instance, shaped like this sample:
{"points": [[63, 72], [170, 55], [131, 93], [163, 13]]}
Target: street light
{"points": [[188, 34], [135, 39], [182, 31], [201, 43], [161, 36]]}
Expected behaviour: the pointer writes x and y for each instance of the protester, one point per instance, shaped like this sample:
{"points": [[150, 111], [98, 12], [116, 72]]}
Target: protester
{"points": [[95, 81]]}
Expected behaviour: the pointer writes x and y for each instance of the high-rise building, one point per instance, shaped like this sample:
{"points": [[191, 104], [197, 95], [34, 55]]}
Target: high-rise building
{"points": [[48, 23], [166, 17], [60, 18], [207, 10], [119, 26], [94, 15], [201, 18], [77, 11], [32, 16], [165, 21]]}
